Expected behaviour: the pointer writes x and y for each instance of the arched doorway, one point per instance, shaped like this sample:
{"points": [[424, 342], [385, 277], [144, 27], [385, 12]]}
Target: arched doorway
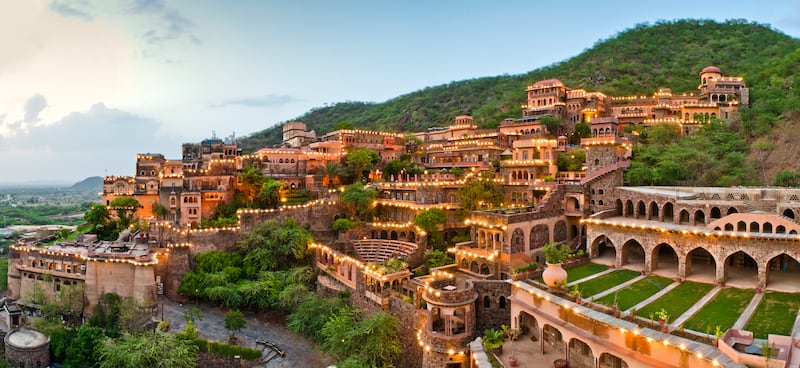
{"points": [[684, 217], [384, 234], [701, 266], [580, 354], [611, 361], [517, 241], [529, 328], [628, 208], [603, 251], [741, 270], [653, 213], [715, 213], [788, 213], [551, 337], [668, 215], [540, 234], [641, 212], [783, 273], [665, 260], [393, 235], [699, 218], [633, 255], [618, 208]]}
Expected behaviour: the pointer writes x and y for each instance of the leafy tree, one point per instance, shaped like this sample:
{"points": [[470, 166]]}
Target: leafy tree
{"points": [[552, 123], [480, 192], [273, 246], [339, 332], [234, 321], [330, 173], [148, 350], [786, 178], [343, 125], [571, 161], [359, 199], [344, 224], [126, 208], [429, 221], [581, 130], [83, 351], [311, 315], [99, 219], [193, 314], [438, 258], [159, 210], [360, 160], [381, 345]]}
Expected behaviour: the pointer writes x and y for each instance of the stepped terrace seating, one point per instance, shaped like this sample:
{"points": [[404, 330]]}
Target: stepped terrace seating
{"points": [[379, 250]]}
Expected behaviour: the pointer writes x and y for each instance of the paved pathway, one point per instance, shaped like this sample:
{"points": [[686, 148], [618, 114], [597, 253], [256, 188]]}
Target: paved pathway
{"points": [[655, 296], [615, 288], [796, 328], [748, 312], [696, 307], [594, 276], [265, 326]]}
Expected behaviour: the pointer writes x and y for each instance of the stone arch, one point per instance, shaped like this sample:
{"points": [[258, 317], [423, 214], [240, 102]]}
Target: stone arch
{"points": [[485, 270], [789, 213], [741, 270], [715, 213], [755, 227], [393, 235], [540, 234], [783, 272], [411, 237], [669, 216], [699, 218], [700, 264], [633, 253], [487, 302], [618, 207], [767, 228], [560, 231], [611, 360], [473, 267], [665, 259], [517, 241], [604, 250], [628, 208], [732, 210], [580, 354], [683, 218], [653, 213], [641, 211], [573, 232], [573, 204], [552, 338], [729, 227], [465, 263], [501, 303], [780, 229], [741, 226], [384, 234]]}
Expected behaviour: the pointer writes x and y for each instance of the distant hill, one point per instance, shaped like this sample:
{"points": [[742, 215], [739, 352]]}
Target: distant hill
{"points": [[636, 61], [92, 184]]}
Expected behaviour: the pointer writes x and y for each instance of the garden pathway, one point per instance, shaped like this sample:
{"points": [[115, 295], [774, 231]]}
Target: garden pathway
{"points": [[796, 328], [696, 307], [594, 276], [748, 312], [655, 296], [618, 287]]}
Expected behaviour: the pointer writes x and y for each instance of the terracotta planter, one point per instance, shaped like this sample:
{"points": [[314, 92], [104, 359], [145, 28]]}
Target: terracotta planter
{"points": [[512, 361], [559, 363], [664, 329], [715, 343], [554, 275]]}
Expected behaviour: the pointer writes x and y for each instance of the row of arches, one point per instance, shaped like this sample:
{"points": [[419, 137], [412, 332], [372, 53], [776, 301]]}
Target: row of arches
{"points": [[393, 235], [548, 339], [746, 267]]}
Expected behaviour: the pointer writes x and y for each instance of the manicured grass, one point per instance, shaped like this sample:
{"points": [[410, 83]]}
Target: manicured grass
{"points": [[635, 293], [606, 282], [678, 300], [584, 270], [723, 310], [774, 315], [3, 274]]}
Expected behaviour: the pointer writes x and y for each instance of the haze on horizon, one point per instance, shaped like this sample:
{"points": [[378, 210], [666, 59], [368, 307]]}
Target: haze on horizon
{"points": [[86, 85]]}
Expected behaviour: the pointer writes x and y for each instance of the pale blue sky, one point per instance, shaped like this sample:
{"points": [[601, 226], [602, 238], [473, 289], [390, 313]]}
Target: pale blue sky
{"points": [[87, 84]]}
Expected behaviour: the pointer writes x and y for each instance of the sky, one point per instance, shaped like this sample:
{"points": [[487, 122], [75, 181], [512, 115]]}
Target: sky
{"points": [[85, 85]]}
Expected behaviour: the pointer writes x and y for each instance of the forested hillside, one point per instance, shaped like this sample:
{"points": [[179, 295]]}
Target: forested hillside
{"points": [[636, 61]]}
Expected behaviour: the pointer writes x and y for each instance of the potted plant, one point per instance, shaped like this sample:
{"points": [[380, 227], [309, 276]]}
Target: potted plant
{"points": [[614, 307], [662, 316], [511, 334], [767, 351], [717, 335], [576, 293], [493, 340], [554, 255]]}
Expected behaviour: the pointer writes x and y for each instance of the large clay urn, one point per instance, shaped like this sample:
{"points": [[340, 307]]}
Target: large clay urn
{"points": [[554, 275]]}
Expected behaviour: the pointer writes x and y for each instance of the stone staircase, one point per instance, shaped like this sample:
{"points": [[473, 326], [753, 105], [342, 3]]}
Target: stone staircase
{"points": [[605, 170]]}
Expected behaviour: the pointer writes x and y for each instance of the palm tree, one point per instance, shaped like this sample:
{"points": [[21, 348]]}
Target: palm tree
{"points": [[330, 173]]}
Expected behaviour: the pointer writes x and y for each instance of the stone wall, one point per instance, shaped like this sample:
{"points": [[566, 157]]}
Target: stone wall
{"points": [[409, 321], [493, 316]]}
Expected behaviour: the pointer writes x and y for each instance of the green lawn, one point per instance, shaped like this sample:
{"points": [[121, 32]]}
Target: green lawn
{"points": [[723, 310], [678, 300], [606, 282], [3, 274], [775, 314], [635, 293], [584, 270]]}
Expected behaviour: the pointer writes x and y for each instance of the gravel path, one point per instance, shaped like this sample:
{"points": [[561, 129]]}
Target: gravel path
{"points": [[267, 326]]}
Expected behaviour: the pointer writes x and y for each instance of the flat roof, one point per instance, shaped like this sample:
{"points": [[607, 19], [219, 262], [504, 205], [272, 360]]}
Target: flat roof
{"points": [[27, 339]]}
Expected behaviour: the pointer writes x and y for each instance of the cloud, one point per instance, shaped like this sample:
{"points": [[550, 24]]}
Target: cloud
{"points": [[268, 100], [73, 8], [82, 144], [33, 107], [172, 26], [147, 6]]}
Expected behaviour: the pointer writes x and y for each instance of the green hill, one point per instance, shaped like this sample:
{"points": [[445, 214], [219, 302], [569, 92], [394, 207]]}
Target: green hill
{"points": [[636, 61]]}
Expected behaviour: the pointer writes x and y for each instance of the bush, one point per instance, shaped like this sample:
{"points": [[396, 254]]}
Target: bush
{"points": [[227, 351]]}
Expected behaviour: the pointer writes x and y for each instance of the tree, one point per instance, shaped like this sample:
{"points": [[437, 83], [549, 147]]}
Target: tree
{"points": [[479, 193], [159, 210], [343, 125], [581, 130], [360, 160], [148, 349], [273, 245], [193, 314], [126, 208], [359, 199], [234, 322], [83, 351], [552, 123], [429, 221], [438, 258], [259, 191], [311, 316], [786, 178]]}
